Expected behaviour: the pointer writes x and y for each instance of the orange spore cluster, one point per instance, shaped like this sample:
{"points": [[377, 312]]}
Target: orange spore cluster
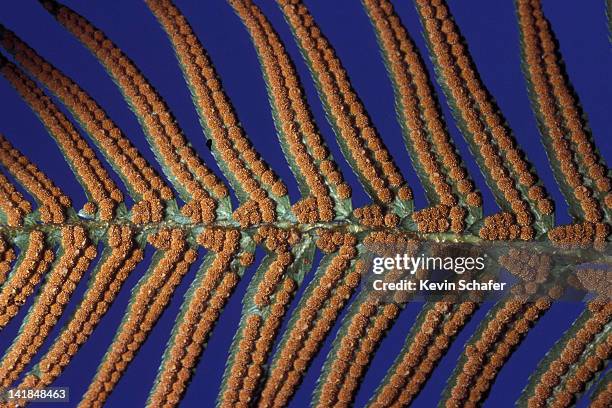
{"points": [[582, 375], [147, 304], [485, 125], [371, 158], [580, 235], [603, 399], [219, 240], [246, 258], [354, 352], [34, 262], [316, 318], [7, 256], [272, 278], [529, 266], [507, 226], [419, 358], [82, 158], [440, 218], [382, 242], [104, 288], [375, 216], [486, 354], [200, 316], [598, 281], [573, 147], [370, 215], [330, 241], [180, 160], [426, 129], [314, 209], [77, 255], [279, 241], [12, 203], [254, 212], [254, 346], [253, 174], [298, 129], [53, 202], [573, 350], [135, 170], [503, 349]]}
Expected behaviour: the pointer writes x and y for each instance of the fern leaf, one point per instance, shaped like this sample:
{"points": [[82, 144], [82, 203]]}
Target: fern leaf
{"points": [[52, 202], [76, 254], [149, 299], [429, 338], [583, 176], [307, 154], [117, 261], [585, 345], [137, 175], [34, 260], [99, 187], [197, 184], [510, 176], [215, 281], [49, 248], [354, 131], [433, 153], [250, 176]]}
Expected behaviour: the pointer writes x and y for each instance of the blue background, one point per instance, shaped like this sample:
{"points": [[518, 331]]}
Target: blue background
{"points": [[491, 31]]}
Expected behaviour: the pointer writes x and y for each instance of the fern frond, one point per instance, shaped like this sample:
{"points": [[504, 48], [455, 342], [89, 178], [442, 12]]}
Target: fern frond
{"points": [[358, 139], [76, 254], [361, 335], [50, 248], [199, 187], [250, 176], [52, 201], [505, 325], [571, 363], [103, 193], [141, 180], [512, 179], [326, 195], [118, 260], [214, 283], [579, 169], [431, 335], [334, 281], [264, 306], [487, 351], [363, 328], [33, 262], [434, 156], [149, 299]]}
